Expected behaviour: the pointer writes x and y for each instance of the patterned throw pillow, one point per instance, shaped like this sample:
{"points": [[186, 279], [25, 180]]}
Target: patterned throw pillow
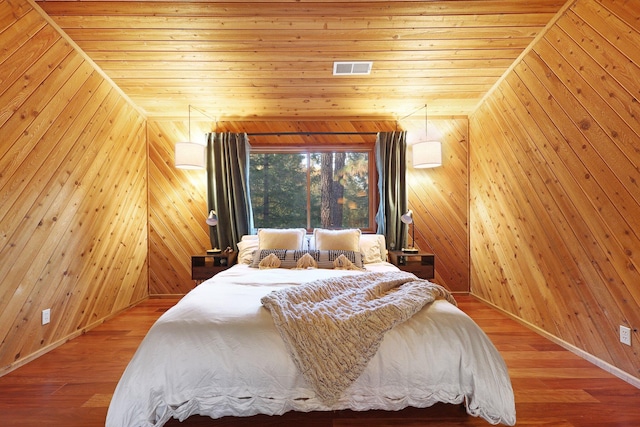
{"points": [[323, 259]]}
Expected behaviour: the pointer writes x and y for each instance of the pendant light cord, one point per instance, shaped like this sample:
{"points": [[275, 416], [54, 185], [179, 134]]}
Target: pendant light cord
{"points": [[426, 122]]}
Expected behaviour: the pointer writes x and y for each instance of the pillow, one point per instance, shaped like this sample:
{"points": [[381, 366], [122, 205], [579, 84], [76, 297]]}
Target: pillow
{"points": [[270, 261], [246, 246], [306, 261], [373, 248], [281, 238], [343, 263], [345, 240], [291, 258]]}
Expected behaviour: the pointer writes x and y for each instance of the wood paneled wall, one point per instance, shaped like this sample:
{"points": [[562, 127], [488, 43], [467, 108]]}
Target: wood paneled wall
{"points": [[178, 207], [73, 191], [439, 199], [554, 184]]}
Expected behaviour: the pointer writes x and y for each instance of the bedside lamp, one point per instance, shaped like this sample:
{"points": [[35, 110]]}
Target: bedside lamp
{"points": [[407, 218], [212, 221]]}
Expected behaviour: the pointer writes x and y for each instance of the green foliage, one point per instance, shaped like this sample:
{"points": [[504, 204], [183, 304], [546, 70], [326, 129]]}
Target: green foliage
{"points": [[279, 190]]}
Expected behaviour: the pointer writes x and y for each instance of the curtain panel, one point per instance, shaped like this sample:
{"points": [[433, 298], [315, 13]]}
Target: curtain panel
{"points": [[391, 164], [227, 187]]}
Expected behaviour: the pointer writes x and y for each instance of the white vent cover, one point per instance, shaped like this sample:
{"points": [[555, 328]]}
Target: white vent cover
{"points": [[351, 68]]}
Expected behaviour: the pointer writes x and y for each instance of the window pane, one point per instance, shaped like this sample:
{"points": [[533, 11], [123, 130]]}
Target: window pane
{"points": [[278, 186], [337, 190], [340, 190]]}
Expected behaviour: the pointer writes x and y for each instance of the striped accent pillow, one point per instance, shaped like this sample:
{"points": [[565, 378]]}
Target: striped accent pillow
{"points": [[289, 258]]}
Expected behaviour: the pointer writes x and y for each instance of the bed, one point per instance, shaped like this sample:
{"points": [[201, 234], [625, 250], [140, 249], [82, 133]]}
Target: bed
{"points": [[218, 353]]}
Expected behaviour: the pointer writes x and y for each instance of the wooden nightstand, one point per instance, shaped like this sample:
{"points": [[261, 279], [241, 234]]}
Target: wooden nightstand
{"points": [[422, 264], [206, 266]]}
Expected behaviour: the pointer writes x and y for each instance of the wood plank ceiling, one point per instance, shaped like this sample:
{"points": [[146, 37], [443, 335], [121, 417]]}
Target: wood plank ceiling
{"points": [[270, 60]]}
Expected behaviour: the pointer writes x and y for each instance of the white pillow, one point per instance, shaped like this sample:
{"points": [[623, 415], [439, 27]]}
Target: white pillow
{"points": [[281, 238], [246, 246], [331, 240], [373, 248]]}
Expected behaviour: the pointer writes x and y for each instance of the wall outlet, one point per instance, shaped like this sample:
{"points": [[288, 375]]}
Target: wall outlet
{"points": [[46, 316], [625, 335]]}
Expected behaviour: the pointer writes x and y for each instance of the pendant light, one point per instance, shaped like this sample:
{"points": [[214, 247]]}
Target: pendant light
{"points": [[189, 155], [427, 154]]}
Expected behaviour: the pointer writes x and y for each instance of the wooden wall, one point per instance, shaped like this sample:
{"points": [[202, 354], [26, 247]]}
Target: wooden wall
{"points": [[73, 191], [178, 208], [439, 199], [554, 185]]}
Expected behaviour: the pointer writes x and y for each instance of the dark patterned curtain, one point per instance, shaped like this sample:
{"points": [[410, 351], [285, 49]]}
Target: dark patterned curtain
{"points": [[228, 187], [391, 164]]}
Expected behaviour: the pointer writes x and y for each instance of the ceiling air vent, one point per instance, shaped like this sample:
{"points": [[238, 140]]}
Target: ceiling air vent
{"points": [[351, 68]]}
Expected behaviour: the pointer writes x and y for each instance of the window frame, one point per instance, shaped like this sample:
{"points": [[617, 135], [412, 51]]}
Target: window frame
{"points": [[309, 149]]}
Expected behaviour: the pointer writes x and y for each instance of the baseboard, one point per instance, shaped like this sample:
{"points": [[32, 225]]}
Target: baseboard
{"points": [[44, 350], [160, 296], [625, 376]]}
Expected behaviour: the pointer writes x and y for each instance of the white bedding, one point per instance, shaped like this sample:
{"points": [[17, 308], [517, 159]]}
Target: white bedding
{"points": [[218, 353]]}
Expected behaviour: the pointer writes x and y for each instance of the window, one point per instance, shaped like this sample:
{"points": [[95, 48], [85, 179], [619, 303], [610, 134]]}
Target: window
{"points": [[309, 189]]}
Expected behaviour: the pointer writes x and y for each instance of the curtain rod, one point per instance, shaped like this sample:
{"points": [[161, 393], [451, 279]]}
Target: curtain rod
{"points": [[309, 133]]}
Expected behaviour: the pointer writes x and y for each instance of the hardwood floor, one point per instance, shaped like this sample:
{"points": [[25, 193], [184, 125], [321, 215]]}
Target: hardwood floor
{"points": [[72, 385]]}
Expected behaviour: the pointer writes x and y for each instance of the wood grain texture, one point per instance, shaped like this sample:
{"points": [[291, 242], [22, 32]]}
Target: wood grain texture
{"points": [[552, 386], [439, 200], [551, 177], [275, 59], [555, 202], [178, 207], [72, 192]]}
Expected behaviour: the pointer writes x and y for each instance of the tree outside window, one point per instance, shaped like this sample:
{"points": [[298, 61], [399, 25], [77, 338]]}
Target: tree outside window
{"points": [[328, 189]]}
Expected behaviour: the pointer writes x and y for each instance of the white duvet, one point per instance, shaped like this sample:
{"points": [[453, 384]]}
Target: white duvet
{"points": [[218, 353]]}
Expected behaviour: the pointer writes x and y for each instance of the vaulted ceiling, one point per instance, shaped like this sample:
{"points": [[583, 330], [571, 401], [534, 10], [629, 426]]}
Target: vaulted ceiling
{"points": [[274, 60]]}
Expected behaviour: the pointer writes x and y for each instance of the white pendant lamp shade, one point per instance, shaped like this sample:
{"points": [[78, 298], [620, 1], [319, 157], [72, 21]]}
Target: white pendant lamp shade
{"points": [[427, 154], [189, 155]]}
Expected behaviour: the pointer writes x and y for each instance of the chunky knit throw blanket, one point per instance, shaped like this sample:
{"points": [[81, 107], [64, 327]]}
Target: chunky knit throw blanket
{"points": [[333, 327]]}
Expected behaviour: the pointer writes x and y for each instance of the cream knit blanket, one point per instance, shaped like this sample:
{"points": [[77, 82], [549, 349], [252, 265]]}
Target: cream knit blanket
{"points": [[333, 327]]}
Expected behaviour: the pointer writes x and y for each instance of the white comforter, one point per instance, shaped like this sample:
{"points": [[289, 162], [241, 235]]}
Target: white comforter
{"points": [[218, 353]]}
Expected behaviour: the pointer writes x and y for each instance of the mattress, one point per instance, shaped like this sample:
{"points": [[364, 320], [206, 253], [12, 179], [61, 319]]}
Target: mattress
{"points": [[218, 353]]}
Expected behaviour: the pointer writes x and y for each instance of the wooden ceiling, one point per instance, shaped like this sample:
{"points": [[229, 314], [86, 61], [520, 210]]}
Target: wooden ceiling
{"points": [[274, 60]]}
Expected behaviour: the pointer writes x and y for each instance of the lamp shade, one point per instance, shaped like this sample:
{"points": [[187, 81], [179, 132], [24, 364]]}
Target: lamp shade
{"points": [[212, 219], [407, 218], [427, 154], [189, 155]]}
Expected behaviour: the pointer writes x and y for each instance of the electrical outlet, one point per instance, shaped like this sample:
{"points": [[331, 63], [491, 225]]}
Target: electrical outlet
{"points": [[46, 316], [625, 335]]}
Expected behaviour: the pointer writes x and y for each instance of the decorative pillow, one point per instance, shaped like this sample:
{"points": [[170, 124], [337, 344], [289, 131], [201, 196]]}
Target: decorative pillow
{"points": [[281, 238], [270, 261], [306, 261], [373, 248], [343, 263], [291, 258], [345, 240]]}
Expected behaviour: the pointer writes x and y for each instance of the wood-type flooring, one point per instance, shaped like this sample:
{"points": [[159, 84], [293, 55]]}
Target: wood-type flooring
{"points": [[72, 385]]}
